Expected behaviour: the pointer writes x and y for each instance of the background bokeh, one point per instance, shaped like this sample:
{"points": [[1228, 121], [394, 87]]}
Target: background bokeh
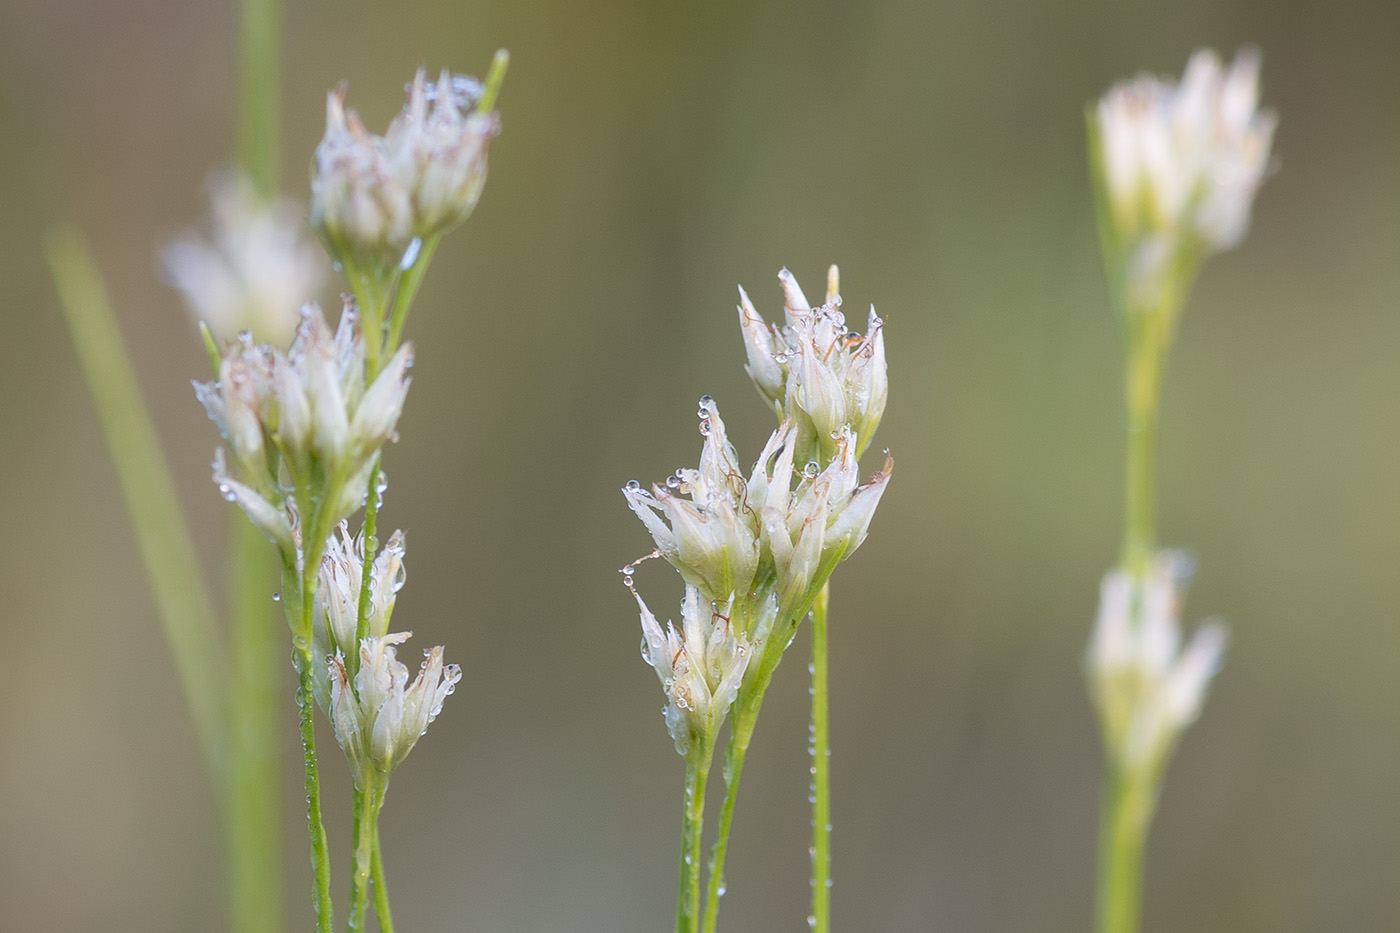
{"points": [[654, 155]]}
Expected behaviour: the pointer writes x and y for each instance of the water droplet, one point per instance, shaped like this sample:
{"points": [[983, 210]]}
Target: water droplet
{"points": [[706, 400], [673, 481], [811, 470], [705, 428], [812, 921], [410, 255], [276, 597], [632, 485], [722, 889]]}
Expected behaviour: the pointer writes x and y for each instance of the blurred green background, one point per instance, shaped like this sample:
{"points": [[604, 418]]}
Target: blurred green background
{"points": [[653, 156]]}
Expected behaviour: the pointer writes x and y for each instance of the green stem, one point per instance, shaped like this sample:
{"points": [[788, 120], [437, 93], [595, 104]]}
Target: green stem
{"points": [[260, 79], [492, 85], [254, 799], [371, 544], [820, 919], [306, 702], [167, 549], [367, 803], [409, 284], [688, 896], [381, 886], [1126, 814], [1148, 340]]}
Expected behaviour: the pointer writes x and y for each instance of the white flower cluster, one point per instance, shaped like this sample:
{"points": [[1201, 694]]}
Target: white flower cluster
{"points": [[815, 371], [1147, 686], [338, 592], [256, 267], [378, 715], [701, 665], [761, 547], [306, 412], [372, 196], [1179, 164]]}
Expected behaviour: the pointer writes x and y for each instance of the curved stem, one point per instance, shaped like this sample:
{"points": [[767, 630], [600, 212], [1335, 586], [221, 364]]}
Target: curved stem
{"points": [[820, 919], [688, 893], [409, 284], [381, 886]]}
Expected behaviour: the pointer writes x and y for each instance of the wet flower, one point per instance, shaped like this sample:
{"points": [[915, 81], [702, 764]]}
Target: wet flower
{"points": [[337, 600], [712, 535], [1147, 686], [811, 527], [312, 407], [815, 371], [700, 666], [1177, 167], [378, 720], [253, 271], [372, 196]]}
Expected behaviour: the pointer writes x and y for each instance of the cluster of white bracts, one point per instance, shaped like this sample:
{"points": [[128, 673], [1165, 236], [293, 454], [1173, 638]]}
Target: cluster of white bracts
{"points": [[1179, 164], [1147, 686], [758, 546], [257, 266], [311, 406], [371, 196]]}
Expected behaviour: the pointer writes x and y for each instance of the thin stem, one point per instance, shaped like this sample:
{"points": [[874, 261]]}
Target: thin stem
{"points": [[1126, 814], [820, 919], [367, 803], [492, 85], [254, 798], [381, 886], [371, 544], [167, 549], [260, 79], [306, 701], [409, 284], [1148, 341], [688, 895]]}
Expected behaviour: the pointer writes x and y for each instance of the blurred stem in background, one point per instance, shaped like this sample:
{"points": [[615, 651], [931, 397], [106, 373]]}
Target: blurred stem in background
{"points": [[167, 548], [254, 808]]}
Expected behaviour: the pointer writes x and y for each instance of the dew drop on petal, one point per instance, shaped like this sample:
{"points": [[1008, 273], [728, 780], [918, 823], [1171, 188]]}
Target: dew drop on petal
{"points": [[632, 485]]}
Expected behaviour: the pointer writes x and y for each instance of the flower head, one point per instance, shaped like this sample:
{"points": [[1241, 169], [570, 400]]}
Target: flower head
{"points": [[312, 407], [1148, 687], [254, 270], [338, 593], [712, 535], [810, 527], [1177, 166], [813, 370], [378, 720], [700, 666], [372, 196]]}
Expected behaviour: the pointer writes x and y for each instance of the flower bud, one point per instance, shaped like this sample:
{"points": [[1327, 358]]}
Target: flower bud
{"points": [[378, 722], [1146, 686], [311, 404], [814, 371], [1176, 167], [337, 600], [712, 538], [700, 667], [255, 269]]}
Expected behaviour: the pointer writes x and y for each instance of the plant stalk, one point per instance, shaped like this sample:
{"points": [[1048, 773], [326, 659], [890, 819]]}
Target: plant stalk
{"points": [[820, 919], [381, 886], [1126, 814], [688, 895], [303, 659]]}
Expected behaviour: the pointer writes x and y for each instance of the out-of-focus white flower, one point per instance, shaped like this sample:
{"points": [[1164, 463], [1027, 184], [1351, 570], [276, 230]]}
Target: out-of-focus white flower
{"points": [[312, 406], [372, 196], [809, 528], [700, 666], [379, 720], [815, 371], [338, 592], [1178, 165], [713, 535], [253, 271], [1148, 688]]}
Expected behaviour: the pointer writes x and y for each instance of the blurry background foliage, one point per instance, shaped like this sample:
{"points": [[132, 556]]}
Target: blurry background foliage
{"points": [[654, 155]]}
